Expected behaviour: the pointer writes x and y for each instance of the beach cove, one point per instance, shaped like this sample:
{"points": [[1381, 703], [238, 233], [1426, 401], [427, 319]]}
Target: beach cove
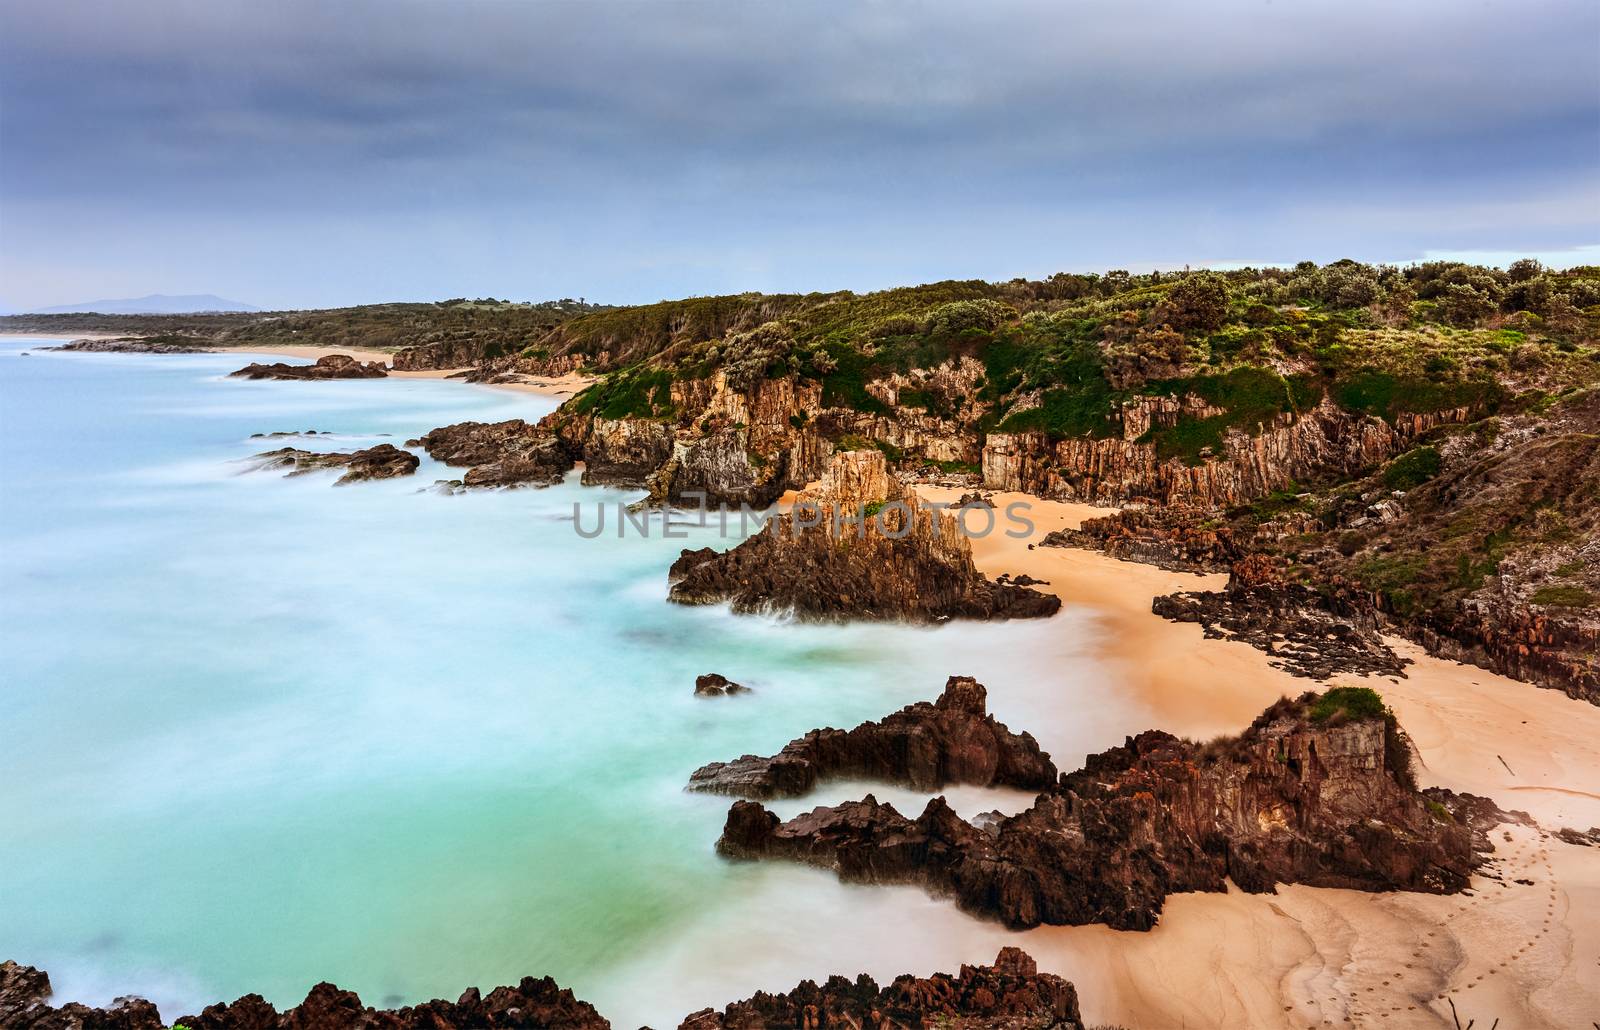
{"points": [[464, 705]]}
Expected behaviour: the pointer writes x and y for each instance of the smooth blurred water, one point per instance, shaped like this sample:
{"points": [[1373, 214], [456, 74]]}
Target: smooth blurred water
{"points": [[257, 732]]}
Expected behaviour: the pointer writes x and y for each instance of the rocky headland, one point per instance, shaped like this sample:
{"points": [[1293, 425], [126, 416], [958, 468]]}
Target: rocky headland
{"points": [[925, 746], [136, 345], [1011, 993], [509, 453], [385, 461], [860, 546], [1318, 790], [329, 366]]}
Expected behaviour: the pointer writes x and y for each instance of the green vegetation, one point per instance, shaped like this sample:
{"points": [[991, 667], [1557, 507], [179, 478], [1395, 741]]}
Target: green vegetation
{"points": [[1412, 468], [1348, 703], [1563, 597], [1384, 394], [636, 393], [1250, 397]]}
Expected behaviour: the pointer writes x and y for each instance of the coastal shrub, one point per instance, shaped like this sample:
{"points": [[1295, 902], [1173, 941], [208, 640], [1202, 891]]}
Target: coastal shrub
{"points": [[634, 393], [962, 315], [1250, 397], [1348, 703], [1198, 303], [1412, 468], [1563, 597]]}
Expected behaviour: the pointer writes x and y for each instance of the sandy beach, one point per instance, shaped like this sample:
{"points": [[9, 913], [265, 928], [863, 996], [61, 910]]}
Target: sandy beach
{"points": [[1527, 954]]}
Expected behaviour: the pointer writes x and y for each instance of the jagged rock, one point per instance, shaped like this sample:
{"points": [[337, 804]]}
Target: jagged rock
{"points": [[1578, 837], [624, 452], [714, 684], [1010, 995], [25, 1005], [506, 453], [1170, 539], [283, 433], [385, 461], [329, 366], [1302, 631], [1291, 800], [975, 499], [923, 746], [860, 546]]}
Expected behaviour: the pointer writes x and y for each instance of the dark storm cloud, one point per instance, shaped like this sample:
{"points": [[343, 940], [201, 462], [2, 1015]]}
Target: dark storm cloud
{"points": [[318, 153]]}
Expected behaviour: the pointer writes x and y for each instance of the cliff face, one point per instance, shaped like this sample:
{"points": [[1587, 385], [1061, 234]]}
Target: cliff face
{"points": [[859, 546], [1325, 441], [1292, 800]]}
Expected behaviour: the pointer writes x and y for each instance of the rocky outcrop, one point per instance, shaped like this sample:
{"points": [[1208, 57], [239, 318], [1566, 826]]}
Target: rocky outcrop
{"points": [[510, 453], [1308, 633], [1174, 539], [860, 546], [923, 746], [1011, 994], [385, 461], [329, 366], [1316, 791], [714, 684], [623, 452]]}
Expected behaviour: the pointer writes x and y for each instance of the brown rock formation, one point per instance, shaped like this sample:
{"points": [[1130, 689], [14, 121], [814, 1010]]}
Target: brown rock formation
{"points": [[385, 461], [1011, 994], [134, 345], [329, 366], [1170, 538], [1291, 800], [1324, 441], [861, 546], [923, 746], [509, 453], [714, 684]]}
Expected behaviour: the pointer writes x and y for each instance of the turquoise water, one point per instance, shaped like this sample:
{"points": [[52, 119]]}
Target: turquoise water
{"points": [[258, 732]]}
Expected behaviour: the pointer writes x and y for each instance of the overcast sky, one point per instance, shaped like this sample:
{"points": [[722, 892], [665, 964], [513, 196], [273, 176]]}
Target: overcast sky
{"points": [[310, 154]]}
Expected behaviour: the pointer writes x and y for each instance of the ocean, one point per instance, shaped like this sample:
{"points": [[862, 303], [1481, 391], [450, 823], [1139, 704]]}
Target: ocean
{"points": [[259, 732]]}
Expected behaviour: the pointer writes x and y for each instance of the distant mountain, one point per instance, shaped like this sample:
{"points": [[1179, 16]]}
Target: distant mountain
{"points": [[155, 304]]}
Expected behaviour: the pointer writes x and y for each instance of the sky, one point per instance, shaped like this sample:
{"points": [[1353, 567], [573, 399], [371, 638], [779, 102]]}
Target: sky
{"points": [[292, 154]]}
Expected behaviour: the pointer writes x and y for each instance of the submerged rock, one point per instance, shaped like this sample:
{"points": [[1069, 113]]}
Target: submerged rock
{"points": [[860, 546], [1010, 994], [385, 461], [714, 684], [1315, 791], [923, 746], [509, 453], [329, 366]]}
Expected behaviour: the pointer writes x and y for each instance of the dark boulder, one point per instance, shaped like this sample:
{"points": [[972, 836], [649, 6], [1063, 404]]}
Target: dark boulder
{"points": [[923, 746]]}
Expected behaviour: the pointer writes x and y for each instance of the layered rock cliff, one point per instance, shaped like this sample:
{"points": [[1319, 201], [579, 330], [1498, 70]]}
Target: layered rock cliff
{"points": [[859, 546], [1316, 791], [925, 746]]}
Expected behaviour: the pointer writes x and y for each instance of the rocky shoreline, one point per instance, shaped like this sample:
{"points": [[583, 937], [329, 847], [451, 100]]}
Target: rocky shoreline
{"points": [[1011, 993], [329, 366], [1318, 790]]}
